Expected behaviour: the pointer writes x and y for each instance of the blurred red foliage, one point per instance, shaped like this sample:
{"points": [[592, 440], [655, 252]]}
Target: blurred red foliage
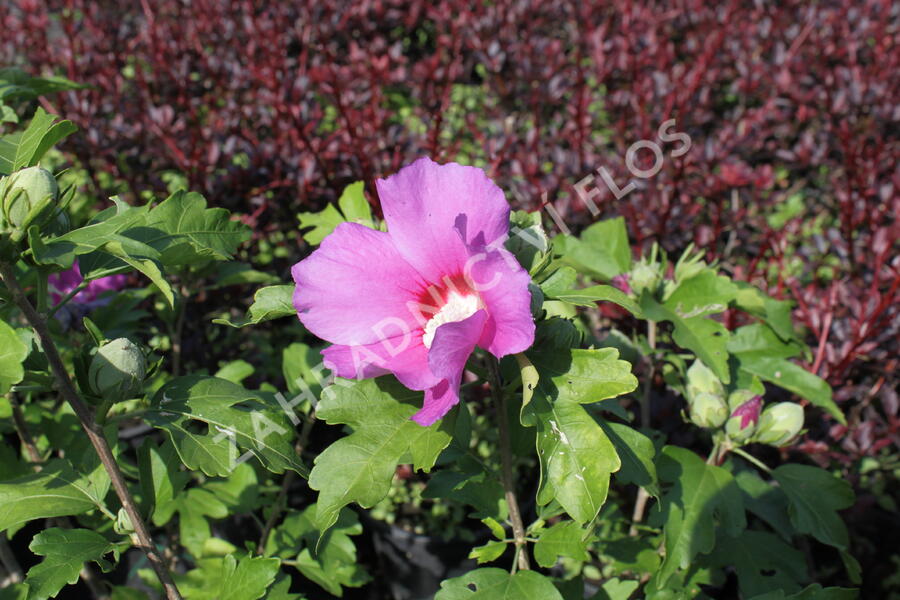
{"points": [[791, 181]]}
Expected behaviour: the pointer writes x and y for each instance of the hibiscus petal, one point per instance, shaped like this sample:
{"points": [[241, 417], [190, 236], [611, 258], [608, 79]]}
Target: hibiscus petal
{"points": [[355, 289], [503, 286], [433, 211], [405, 357], [453, 343]]}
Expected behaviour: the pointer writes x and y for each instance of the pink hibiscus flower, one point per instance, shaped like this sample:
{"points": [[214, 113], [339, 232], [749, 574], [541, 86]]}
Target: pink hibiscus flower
{"points": [[415, 301], [62, 283]]}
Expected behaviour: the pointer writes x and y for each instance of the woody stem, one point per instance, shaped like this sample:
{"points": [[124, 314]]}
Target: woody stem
{"points": [[515, 516]]}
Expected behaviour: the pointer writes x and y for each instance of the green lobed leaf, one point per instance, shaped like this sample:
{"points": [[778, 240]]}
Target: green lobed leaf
{"points": [[56, 491], [763, 562], [760, 340], [272, 302], [467, 481], [565, 538], [212, 422], [700, 493], [583, 376], [575, 453], [616, 589], [602, 250], [776, 313], [355, 209], [793, 378], [706, 338], [62, 250], [281, 590], [331, 562], [16, 83], [815, 496], [703, 294], [228, 578], [185, 232], [812, 592], [26, 149], [637, 454], [559, 281], [161, 479], [600, 293], [65, 551], [576, 457], [766, 501], [488, 552], [359, 467], [12, 353], [354, 206], [497, 584]]}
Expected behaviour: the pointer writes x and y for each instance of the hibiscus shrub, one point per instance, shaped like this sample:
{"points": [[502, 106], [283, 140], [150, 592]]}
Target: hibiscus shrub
{"points": [[471, 365]]}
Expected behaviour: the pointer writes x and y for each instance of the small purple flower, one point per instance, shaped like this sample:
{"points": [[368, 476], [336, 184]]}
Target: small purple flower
{"points": [[61, 284], [415, 301], [748, 411]]}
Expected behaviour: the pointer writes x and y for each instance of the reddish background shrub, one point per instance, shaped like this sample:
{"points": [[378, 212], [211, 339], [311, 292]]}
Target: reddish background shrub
{"points": [[791, 181]]}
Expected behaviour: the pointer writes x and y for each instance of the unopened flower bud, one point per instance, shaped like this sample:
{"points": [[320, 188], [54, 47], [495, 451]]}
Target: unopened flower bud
{"points": [[708, 410], [780, 423], [705, 396], [25, 191], [117, 370], [742, 424], [645, 276]]}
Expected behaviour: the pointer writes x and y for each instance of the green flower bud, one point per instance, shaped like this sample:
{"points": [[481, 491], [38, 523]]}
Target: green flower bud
{"points": [[26, 191], [645, 276], [701, 379], [705, 397], [780, 424], [117, 370], [708, 410]]}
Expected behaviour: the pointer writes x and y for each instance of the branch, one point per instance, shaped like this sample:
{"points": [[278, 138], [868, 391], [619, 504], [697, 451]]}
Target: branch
{"points": [[93, 431], [515, 516], [640, 503]]}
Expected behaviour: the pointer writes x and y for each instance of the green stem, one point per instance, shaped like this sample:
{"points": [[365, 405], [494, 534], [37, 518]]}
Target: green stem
{"points": [[42, 301], [65, 299], [752, 459], [713, 458], [515, 516], [178, 331], [640, 503]]}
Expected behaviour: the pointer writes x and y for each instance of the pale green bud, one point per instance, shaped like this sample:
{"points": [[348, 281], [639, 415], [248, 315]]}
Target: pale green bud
{"points": [[117, 370], [780, 423], [701, 379], [708, 410], [26, 191], [645, 276], [705, 397]]}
